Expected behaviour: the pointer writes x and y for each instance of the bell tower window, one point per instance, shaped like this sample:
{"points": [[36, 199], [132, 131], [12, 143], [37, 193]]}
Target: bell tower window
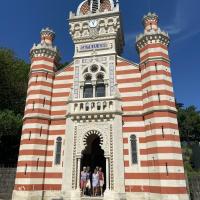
{"points": [[94, 82], [100, 86], [95, 6], [88, 88], [88, 91]]}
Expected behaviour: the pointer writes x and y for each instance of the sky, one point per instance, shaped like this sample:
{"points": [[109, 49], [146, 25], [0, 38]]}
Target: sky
{"points": [[22, 20]]}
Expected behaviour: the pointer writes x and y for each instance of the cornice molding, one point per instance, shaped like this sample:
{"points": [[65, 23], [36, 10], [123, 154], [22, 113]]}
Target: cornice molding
{"points": [[44, 50], [159, 37]]}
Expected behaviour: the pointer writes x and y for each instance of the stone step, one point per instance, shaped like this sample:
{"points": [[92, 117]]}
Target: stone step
{"points": [[91, 198]]}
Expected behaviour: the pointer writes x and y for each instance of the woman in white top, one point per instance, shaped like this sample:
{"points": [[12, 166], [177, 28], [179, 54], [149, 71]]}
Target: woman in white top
{"points": [[95, 182]]}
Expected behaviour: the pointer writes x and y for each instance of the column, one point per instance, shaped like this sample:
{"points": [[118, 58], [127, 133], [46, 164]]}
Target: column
{"points": [[78, 173], [106, 88], [107, 174], [81, 92], [94, 91]]}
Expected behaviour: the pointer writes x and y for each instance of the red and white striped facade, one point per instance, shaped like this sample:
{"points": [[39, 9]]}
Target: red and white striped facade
{"points": [[139, 101]]}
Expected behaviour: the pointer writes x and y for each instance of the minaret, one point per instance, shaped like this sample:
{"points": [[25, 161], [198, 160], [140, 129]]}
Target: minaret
{"points": [[34, 140], [163, 150]]}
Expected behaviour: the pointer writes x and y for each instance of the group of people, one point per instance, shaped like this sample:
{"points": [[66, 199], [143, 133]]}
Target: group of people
{"points": [[92, 183]]}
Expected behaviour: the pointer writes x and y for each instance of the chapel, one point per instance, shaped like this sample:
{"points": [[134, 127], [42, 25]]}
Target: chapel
{"points": [[101, 110]]}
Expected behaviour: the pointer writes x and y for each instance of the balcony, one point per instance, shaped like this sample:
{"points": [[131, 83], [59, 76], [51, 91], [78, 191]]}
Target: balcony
{"points": [[90, 108]]}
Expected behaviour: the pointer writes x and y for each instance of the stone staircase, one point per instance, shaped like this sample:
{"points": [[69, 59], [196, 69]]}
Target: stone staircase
{"points": [[7, 180]]}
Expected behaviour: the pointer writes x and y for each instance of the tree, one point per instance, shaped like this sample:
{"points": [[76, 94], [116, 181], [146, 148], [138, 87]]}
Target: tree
{"points": [[13, 81], [13, 88], [10, 123], [189, 126], [189, 123], [10, 133], [62, 65]]}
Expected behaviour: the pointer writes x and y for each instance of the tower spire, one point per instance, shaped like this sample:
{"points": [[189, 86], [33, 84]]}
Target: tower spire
{"points": [[45, 47], [47, 35], [150, 21]]}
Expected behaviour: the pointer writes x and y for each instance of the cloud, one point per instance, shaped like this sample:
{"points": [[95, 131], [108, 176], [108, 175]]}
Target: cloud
{"points": [[185, 22], [130, 37]]}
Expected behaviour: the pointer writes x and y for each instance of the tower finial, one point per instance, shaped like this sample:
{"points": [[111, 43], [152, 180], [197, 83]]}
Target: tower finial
{"points": [[150, 21], [47, 35]]}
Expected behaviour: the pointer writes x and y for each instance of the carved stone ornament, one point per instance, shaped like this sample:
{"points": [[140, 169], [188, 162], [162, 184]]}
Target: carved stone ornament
{"points": [[94, 33], [99, 128]]}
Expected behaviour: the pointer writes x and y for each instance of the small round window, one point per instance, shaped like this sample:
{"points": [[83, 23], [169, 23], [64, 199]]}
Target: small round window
{"points": [[88, 77], [94, 68], [100, 76]]}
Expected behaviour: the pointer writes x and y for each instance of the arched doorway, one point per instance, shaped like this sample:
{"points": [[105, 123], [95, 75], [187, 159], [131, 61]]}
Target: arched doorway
{"points": [[93, 155]]}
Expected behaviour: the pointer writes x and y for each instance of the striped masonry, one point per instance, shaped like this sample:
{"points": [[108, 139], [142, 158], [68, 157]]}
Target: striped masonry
{"points": [[150, 114], [36, 149]]}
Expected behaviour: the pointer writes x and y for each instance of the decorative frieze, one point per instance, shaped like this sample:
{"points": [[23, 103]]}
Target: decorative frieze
{"points": [[76, 82], [74, 180], [99, 128], [112, 78], [89, 108], [94, 46], [45, 47], [97, 59], [152, 37], [105, 28], [44, 50]]}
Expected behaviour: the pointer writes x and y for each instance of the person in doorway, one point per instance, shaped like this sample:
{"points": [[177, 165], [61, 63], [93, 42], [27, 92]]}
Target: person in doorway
{"points": [[101, 180], [95, 182], [97, 168], [88, 184], [98, 188], [83, 180]]}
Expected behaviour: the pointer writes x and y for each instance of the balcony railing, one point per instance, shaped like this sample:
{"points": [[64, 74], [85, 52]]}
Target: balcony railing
{"points": [[92, 106]]}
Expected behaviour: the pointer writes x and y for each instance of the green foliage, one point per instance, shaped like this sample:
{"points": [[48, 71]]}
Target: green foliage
{"points": [[62, 65], [10, 133], [187, 154], [189, 126], [13, 81], [189, 123], [10, 123], [13, 87]]}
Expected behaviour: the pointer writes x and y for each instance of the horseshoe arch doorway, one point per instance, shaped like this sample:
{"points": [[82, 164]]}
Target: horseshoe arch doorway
{"points": [[93, 155]]}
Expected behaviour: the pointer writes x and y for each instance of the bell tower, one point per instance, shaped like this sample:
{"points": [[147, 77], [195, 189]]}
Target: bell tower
{"points": [[94, 105], [98, 38]]}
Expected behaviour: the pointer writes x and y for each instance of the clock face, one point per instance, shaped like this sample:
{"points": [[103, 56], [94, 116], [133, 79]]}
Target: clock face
{"points": [[93, 23]]}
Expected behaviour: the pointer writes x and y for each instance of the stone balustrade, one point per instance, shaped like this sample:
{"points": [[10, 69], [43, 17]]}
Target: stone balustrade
{"points": [[94, 106]]}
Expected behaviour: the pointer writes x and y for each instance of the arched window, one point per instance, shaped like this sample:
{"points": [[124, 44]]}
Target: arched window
{"points": [[95, 5], [88, 88], [100, 90], [94, 85], [88, 91], [100, 86], [58, 151], [134, 156]]}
